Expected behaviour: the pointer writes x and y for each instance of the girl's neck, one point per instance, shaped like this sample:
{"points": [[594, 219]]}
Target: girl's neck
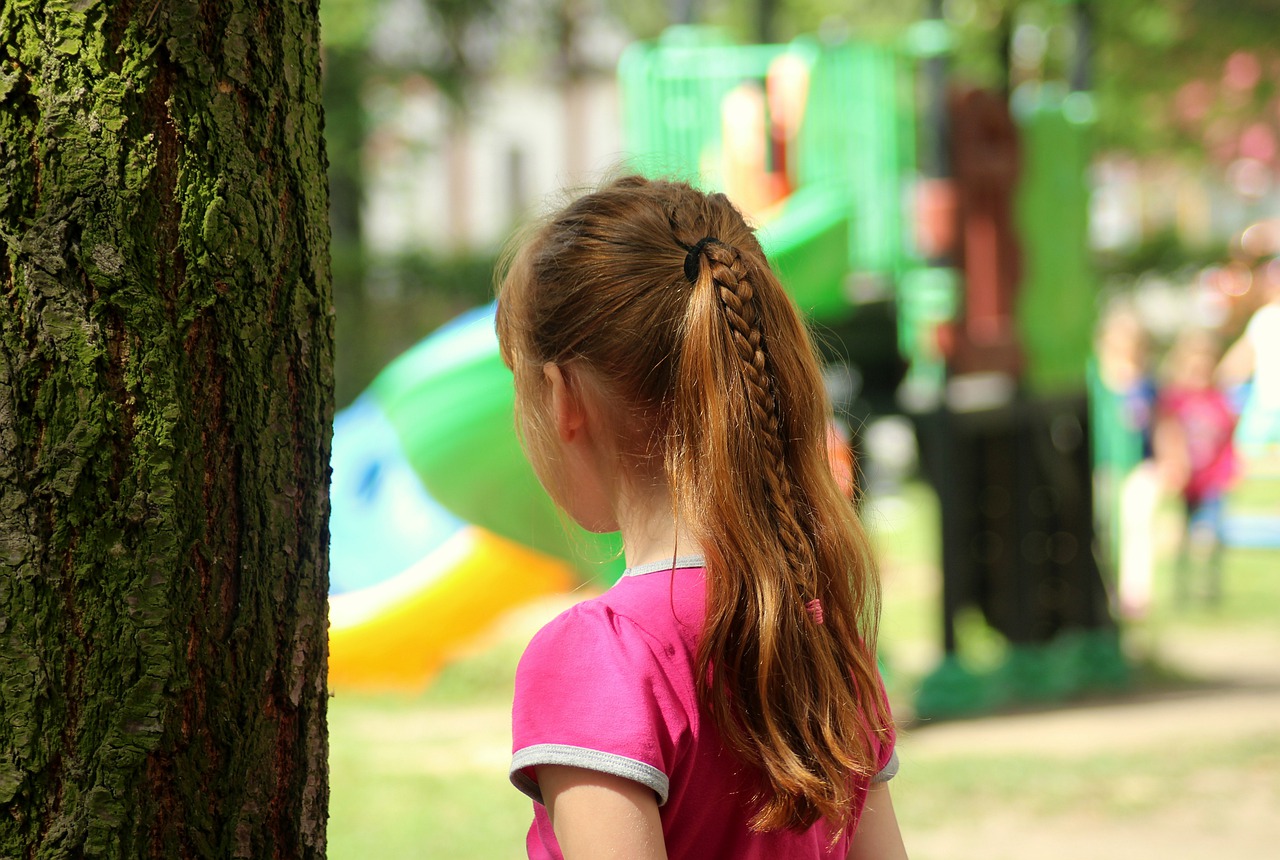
{"points": [[650, 531]]}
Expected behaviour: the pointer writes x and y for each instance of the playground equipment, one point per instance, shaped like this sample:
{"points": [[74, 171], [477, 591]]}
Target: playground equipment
{"points": [[438, 526], [451, 403], [823, 178], [1007, 446], [398, 633]]}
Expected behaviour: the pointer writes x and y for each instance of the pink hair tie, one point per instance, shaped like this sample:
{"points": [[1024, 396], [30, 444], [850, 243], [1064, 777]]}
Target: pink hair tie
{"points": [[814, 608]]}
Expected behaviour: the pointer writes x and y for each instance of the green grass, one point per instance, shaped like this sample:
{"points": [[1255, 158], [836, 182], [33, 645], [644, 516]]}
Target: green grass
{"points": [[1109, 783], [426, 777], [412, 779], [1260, 494]]}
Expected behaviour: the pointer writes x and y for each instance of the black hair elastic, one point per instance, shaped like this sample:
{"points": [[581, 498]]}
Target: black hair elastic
{"points": [[693, 259]]}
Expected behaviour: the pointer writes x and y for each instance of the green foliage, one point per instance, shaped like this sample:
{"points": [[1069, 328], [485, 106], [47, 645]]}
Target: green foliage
{"points": [[466, 277], [644, 19], [386, 307], [1136, 80], [868, 19], [457, 62], [348, 24], [1165, 252]]}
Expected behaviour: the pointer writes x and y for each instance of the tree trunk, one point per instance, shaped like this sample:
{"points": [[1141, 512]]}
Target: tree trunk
{"points": [[165, 408]]}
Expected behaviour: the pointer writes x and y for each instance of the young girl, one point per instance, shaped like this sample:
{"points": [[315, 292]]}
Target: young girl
{"points": [[1193, 444], [722, 700]]}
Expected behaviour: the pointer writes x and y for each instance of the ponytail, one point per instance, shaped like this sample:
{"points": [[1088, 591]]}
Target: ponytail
{"points": [[794, 690], [666, 294]]}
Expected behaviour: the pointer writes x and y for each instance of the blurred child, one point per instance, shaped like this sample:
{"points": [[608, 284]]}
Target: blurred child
{"points": [[1195, 453], [1123, 349]]}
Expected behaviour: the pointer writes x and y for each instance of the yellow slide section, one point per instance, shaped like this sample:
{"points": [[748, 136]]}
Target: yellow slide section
{"points": [[396, 635]]}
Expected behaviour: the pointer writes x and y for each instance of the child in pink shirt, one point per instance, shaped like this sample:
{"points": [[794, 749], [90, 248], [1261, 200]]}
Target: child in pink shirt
{"points": [[618, 670], [722, 700], [1193, 439]]}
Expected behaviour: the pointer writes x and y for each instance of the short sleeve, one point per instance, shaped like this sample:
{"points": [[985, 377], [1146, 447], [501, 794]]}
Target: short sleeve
{"points": [[889, 769], [594, 690]]}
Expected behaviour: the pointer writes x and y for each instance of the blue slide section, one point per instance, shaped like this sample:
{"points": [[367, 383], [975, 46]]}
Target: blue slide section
{"points": [[382, 519]]}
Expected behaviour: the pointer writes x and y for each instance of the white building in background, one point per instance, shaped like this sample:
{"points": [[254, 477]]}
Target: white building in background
{"points": [[524, 142], [428, 187]]}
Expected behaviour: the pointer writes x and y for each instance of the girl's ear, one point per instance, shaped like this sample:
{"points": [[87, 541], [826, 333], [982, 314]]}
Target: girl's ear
{"points": [[567, 408]]}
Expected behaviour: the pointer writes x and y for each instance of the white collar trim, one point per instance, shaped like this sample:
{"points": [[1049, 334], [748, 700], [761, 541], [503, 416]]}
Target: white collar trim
{"points": [[671, 564]]}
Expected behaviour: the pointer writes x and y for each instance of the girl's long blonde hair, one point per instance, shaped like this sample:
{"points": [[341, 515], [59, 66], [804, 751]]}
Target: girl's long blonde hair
{"points": [[715, 382]]}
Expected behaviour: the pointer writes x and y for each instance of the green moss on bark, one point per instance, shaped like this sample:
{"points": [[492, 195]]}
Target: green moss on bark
{"points": [[165, 405]]}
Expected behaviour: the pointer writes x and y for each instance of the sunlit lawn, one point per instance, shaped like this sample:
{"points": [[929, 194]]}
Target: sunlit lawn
{"points": [[426, 777]]}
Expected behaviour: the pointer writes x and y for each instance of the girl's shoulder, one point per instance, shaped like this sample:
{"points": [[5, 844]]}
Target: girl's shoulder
{"points": [[601, 676], [655, 609], [589, 624], [641, 628]]}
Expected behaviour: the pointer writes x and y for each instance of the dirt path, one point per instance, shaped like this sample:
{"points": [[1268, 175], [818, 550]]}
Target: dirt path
{"points": [[1236, 691], [1195, 789]]}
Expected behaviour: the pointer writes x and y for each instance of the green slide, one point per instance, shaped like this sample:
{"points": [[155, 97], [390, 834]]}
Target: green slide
{"points": [[808, 245], [450, 400]]}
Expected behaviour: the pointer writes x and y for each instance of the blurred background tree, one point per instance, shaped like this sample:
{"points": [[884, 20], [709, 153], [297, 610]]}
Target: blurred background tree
{"points": [[377, 45]]}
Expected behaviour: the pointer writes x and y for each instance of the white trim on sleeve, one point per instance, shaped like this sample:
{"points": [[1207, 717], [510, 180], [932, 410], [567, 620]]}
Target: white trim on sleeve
{"points": [[589, 759], [890, 770]]}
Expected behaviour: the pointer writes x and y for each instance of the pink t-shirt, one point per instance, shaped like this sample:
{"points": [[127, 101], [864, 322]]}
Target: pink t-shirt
{"points": [[609, 686], [1207, 424]]}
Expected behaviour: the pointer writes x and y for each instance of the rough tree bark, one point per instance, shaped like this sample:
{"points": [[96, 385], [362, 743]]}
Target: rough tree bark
{"points": [[165, 405]]}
